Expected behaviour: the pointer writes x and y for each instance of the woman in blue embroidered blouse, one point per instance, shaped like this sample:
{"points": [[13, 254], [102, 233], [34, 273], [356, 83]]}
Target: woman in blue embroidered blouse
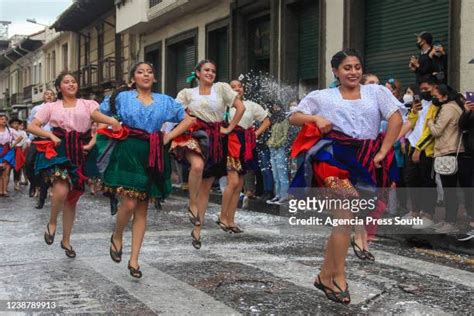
{"points": [[138, 166]]}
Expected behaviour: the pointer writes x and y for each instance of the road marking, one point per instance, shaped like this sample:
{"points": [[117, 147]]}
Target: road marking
{"points": [[161, 292]]}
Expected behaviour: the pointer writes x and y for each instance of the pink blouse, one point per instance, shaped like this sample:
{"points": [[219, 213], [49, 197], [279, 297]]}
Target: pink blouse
{"points": [[76, 118]]}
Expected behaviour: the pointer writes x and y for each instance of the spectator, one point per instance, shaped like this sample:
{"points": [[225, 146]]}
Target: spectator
{"points": [[369, 78], [422, 65], [466, 123], [279, 154], [418, 171], [394, 86], [440, 62]]}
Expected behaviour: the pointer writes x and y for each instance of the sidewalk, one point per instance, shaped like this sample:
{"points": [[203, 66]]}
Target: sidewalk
{"points": [[434, 241]]}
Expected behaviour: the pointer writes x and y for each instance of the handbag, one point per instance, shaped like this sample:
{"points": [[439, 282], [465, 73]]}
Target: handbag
{"points": [[447, 165]]}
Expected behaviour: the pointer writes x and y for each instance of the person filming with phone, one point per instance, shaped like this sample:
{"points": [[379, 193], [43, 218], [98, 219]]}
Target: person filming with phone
{"points": [[439, 61], [423, 64]]}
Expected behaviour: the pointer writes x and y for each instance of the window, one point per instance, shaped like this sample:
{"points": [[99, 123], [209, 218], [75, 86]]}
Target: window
{"points": [[65, 57], [155, 2], [218, 48], [53, 65], [153, 55]]}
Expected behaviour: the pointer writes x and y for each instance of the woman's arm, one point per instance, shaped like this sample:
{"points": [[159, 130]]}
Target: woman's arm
{"points": [[182, 127], [437, 127], [91, 144], [265, 124], [239, 112], [299, 119], [406, 127], [35, 128], [102, 118], [393, 130]]}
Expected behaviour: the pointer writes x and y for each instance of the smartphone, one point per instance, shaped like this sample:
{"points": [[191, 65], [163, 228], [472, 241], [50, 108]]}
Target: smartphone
{"points": [[416, 98], [470, 96]]}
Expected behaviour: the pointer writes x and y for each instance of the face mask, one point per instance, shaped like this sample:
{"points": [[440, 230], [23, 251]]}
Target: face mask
{"points": [[437, 102], [407, 98], [426, 95]]}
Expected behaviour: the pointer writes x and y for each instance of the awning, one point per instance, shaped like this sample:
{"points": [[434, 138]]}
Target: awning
{"points": [[11, 55], [81, 14]]}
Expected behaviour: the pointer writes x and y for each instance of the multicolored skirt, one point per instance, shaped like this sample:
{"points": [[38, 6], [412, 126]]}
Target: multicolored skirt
{"points": [[127, 171], [8, 157], [241, 151], [205, 140]]}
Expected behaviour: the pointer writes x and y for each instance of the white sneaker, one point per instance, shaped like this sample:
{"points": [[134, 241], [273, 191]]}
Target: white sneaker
{"points": [[245, 202], [425, 224], [272, 201], [281, 201], [466, 236], [447, 228]]}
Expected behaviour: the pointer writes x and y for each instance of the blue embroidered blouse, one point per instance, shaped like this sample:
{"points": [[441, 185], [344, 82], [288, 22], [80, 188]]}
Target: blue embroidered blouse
{"points": [[132, 112]]}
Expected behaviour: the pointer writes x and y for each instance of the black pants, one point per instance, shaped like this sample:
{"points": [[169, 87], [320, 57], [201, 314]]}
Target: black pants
{"points": [[419, 179], [465, 178], [35, 180]]}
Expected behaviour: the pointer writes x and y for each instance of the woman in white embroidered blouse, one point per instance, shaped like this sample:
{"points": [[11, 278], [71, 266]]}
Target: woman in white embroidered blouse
{"points": [[357, 111], [205, 145]]}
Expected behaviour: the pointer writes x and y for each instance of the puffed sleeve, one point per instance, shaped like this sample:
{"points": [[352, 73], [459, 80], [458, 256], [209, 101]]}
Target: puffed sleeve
{"points": [[228, 95], [259, 113], [309, 105], [105, 106], [182, 98], [91, 106], [175, 111], [44, 114], [386, 102]]}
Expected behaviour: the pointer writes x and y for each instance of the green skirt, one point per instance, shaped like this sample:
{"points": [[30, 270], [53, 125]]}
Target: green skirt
{"points": [[127, 172]]}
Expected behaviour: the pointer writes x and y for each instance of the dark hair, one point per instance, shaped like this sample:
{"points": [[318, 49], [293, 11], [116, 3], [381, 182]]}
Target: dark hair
{"points": [[201, 63], [125, 87], [59, 79], [412, 87], [367, 75], [339, 57], [451, 93], [427, 37], [429, 79]]}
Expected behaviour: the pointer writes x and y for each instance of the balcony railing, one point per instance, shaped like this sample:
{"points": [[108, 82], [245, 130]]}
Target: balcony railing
{"points": [[107, 70], [16, 98], [88, 75], [28, 94]]}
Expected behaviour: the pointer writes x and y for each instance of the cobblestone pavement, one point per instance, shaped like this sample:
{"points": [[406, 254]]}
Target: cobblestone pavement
{"points": [[268, 270]]}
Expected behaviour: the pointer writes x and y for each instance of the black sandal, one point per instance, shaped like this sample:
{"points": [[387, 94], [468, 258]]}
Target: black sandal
{"points": [[69, 252], [342, 294], [196, 242], [359, 252], [368, 255], [236, 230], [223, 226], [136, 273], [48, 237], [114, 254], [193, 218], [330, 294]]}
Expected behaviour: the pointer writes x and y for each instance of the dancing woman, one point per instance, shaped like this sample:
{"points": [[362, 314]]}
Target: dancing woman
{"points": [[240, 158], [8, 140], [204, 147], [138, 167], [347, 118], [62, 158]]}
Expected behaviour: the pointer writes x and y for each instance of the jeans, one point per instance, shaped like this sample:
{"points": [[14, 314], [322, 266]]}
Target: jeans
{"points": [[279, 161], [265, 168]]}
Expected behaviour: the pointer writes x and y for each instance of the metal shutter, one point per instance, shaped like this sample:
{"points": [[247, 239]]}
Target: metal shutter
{"points": [[308, 41], [185, 63], [222, 59], [389, 34]]}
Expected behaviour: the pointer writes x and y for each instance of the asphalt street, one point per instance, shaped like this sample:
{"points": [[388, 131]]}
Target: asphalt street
{"points": [[267, 270]]}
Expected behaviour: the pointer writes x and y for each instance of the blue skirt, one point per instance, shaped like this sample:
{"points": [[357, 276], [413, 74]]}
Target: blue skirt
{"points": [[9, 157]]}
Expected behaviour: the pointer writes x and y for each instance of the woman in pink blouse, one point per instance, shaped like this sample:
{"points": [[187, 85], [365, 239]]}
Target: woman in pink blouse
{"points": [[61, 157]]}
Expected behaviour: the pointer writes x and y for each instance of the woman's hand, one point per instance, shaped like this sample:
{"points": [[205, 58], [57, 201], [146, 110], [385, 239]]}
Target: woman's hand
{"points": [[469, 106], [56, 140], [166, 139], [415, 157], [378, 159], [225, 130], [324, 125], [116, 126]]}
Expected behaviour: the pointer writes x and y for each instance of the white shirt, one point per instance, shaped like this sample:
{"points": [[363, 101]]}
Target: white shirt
{"points": [[415, 135], [253, 112], [25, 139], [356, 118], [209, 108], [8, 136], [33, 112]]}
